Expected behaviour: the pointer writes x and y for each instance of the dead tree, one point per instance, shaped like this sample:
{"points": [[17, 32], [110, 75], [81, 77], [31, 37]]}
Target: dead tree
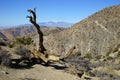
{"points": [[32, 19], [42, 52]]}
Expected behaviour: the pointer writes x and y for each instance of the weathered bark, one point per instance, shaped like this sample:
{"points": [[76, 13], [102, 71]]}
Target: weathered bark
{"points": [[37, 54], [68, 53], [33, 21]]}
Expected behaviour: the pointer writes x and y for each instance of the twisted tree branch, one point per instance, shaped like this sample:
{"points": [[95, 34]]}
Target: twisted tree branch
{"points": [[32, 19]]}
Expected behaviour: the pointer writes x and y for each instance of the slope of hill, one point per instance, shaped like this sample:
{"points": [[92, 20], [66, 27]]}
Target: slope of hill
{"points": [[97, 34], [19, 31], [12, 33], [2, 36]]}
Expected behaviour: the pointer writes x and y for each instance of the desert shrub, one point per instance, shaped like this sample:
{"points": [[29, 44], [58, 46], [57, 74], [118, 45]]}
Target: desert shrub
{"points": [[78, 53], [2, 43], [105, 75], [79, 63], [116, 66], [5, 59], [22, 41], [98, 56], [118, 55], [109, 58], [100, 73], [98, 64], [108, 53], [117, 48], [88, 55], [22, 51]]}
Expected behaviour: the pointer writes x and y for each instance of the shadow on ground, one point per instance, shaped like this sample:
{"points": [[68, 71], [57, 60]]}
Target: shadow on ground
{"points": [[28, 65]]}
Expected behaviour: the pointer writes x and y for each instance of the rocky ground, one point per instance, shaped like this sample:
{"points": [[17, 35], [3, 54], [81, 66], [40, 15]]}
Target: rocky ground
{"points": [[79, 69], [36, 72], [104, 69], [75, 67]]}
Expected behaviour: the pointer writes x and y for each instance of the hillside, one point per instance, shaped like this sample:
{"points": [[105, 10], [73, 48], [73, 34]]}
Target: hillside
{"points": [[2, 36], [12, 33], [46, 27], [97, 34]]}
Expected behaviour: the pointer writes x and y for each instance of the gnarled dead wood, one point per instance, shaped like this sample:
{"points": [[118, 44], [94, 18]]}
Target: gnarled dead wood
{"points": [[55, 58], [38, 54], [68, 53], [33, 21], [42, 52]]}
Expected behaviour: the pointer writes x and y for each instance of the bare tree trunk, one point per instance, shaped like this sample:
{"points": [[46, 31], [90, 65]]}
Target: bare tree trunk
{"points": [[33, 21], [40, 53]]}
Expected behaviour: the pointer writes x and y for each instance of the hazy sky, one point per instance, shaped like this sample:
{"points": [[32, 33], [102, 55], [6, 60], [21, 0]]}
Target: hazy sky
{"points": [[14, 12]]}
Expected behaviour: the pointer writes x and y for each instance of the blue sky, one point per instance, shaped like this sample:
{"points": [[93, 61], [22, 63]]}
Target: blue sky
{"points": [[14, 12]]}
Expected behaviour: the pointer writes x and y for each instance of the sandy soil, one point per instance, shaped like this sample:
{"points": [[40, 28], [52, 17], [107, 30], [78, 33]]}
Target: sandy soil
{"points": [[36, 72]]}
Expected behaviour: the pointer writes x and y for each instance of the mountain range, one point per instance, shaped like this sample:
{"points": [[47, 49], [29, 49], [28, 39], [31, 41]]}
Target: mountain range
{"points": [[58, 24], [21, 30], [48, 24], [97, 34], [14, 32]]}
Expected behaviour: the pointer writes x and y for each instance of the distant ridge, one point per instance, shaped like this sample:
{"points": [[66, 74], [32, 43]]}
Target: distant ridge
{"points": [[14, 32], [21, 30], [58, 24], [48, 24]]}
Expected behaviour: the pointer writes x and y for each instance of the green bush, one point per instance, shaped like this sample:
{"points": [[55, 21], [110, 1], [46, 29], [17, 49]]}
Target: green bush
{"points": [[98, 56], [88, 55], [78, 53], [22, 41], [118, 54], [109, 58]]}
